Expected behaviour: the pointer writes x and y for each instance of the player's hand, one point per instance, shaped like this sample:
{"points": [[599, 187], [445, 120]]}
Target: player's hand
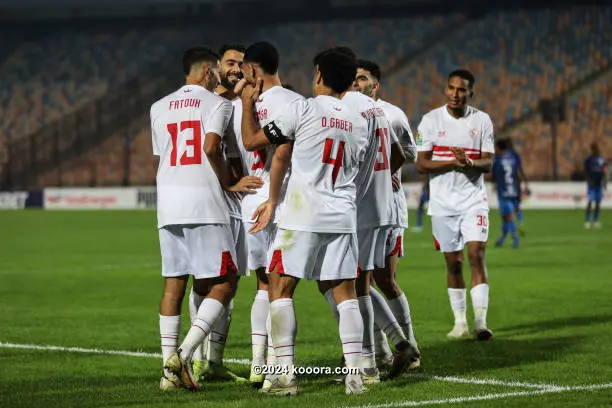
{"points": [[249, 93], [247, 184], [263, 216], [395, 182], [461, 157]]}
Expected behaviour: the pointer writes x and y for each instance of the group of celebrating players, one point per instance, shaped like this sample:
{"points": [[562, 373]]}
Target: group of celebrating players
{"points": [[253, 176]]}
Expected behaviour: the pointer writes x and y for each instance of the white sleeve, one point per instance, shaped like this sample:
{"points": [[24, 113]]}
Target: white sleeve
{"points": [[218, 119], [424, 139], [401, 127], [487, 143], [286, 123], [153, 135], [231, 143]]}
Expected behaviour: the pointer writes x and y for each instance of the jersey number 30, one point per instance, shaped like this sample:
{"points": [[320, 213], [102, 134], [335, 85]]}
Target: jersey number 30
{"points": [[192, 145]]}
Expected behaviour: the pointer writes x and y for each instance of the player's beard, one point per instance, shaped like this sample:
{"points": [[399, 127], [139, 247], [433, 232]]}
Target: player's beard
{"points": [[228, 83]]}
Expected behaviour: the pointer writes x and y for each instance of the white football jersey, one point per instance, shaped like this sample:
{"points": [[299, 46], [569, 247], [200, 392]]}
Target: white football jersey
{"points": [[188, 190], [232, 142], [375, 202], [456, 192], [400, 127], [330, 144], [268, 107]]}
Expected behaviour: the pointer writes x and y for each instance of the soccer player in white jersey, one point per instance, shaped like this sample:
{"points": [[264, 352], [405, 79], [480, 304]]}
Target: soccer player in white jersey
{"points": [[324, 142], [195, 237], [455, 145], [208, 359], [261, 60], [368, 81]]}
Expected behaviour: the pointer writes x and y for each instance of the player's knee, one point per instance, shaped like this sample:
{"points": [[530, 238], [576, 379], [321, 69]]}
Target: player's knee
{"points": [[476, 255], [454, 265], [387, 285]]}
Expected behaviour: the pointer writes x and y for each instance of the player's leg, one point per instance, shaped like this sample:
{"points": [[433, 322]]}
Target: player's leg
{"points": [[474, 228], [420, 213], [211, 254], [518, 215], [447, 234], [591, 198], [338, 269], [367, 250], [292, 259], [386, 280], [176, 275], [201, 352], [217, 339], [507, 211], [258, 246], [598, 197]]}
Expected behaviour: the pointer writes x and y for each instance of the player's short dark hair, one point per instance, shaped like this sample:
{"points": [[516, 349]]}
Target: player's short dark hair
{"points": [[370, 66], [343, 49], [463, 74], [231, 47], [197, 54], [337, 69], [264, 54], [503, 144], [289, 87]]}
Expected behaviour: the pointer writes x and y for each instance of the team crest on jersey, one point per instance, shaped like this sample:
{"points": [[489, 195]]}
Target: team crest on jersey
{"points": [[419, 139], [474, 133], [441, 133]]}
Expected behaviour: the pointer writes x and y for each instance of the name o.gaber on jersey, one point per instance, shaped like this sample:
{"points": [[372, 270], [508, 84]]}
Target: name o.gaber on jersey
{"points": [[455, 192], [188, 190], [329, 143]]}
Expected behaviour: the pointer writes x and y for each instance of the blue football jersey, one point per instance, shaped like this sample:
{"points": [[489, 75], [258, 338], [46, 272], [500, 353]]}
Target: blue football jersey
{"points": [[595, 168], [505, 174]]}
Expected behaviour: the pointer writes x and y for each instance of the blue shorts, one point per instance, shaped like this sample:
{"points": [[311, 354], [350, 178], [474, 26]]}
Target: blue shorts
{"points": [[595, 194], [507, 205]]}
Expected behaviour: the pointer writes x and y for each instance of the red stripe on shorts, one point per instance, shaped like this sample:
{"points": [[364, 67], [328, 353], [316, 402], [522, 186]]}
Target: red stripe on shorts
{"points": [[227, 263], [277, 262]]}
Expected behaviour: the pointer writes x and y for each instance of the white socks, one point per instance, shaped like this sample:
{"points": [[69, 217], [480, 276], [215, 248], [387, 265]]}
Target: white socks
{"points": [[329, 296], [367, 314], [401, 310], [208, 313], [195, 301], [169, 330], [284, 329], [385, 319], [218, 335], [259, 333], [458, 304], [271, 355], [480, 303], [351, 332]]}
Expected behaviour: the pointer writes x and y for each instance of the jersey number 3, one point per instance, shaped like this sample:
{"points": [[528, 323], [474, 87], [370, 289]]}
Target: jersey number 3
{"points": [[383, 136], [336, 162], [192, 145]]}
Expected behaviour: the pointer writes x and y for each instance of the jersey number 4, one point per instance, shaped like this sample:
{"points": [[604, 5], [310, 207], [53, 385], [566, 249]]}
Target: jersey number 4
{"points": [[194, 143], [382, 134], [335, 162]]}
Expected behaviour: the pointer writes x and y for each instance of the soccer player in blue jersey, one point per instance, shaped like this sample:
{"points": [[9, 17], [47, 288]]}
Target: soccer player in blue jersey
{"points": [[523, 180], [595, 171], [505, 175]]}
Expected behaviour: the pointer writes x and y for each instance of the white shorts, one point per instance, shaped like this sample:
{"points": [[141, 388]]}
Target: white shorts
{"points": [[240, 240], [202, 250], [258, 245], [373, 247], [452, 232], [395, 242], [314, 255]]}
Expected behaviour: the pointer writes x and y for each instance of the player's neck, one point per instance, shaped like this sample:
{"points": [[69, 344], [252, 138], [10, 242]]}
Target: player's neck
{"points": [[225, 93], [457, 112], [270, 81], [325, 91]]}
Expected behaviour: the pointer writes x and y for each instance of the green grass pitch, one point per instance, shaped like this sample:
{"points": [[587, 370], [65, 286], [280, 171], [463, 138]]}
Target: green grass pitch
{"points": [[92, 280]]}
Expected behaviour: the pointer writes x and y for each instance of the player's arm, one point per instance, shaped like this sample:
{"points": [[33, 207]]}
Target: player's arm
{"points": [[253, 138], [587, 173], [398, 158], [484, 163], [406, 138], [214, 153], [424, 142]]}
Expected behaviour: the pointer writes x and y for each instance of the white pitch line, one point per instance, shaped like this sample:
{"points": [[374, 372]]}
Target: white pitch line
{"points": [[100, 351], [484, 381], [486, 397]]}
